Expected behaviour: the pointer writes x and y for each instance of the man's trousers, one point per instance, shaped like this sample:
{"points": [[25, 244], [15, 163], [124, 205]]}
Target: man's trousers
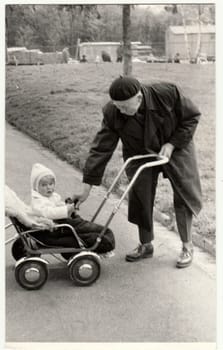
{"points": [[141, 203]]}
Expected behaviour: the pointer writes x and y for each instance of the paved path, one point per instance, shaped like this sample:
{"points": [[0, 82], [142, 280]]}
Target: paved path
{"points": [[148, 301]]}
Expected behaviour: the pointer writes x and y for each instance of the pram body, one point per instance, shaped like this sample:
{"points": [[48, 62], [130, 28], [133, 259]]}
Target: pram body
{"points": [[31, 269]]}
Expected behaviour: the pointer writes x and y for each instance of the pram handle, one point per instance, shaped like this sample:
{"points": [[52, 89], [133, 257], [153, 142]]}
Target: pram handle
{"points": [[160, 160]]}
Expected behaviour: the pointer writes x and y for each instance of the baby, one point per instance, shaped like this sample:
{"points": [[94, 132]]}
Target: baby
{"points": [[46, 202]]}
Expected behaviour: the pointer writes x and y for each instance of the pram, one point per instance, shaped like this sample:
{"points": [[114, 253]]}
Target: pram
{"points": [[31, 269]]}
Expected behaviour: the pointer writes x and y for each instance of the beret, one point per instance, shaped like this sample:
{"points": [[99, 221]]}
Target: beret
{"points": [[124, 88]]}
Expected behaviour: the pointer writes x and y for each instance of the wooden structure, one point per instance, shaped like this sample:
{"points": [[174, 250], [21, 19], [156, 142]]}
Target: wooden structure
{"points": [[93, 50]]}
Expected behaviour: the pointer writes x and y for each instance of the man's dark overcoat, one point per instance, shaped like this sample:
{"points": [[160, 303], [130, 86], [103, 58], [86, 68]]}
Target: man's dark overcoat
{"points": [[166, 115]]}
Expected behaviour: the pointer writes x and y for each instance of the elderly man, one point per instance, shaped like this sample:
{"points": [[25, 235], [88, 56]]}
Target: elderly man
{"points": [[155, 118]]}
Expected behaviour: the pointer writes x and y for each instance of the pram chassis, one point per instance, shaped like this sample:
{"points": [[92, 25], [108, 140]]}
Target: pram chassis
{"points": [[31, 271]]}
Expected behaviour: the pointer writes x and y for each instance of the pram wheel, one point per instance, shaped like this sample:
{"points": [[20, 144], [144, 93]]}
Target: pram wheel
{"points": [[31, 273], [84, 268], [18, 250]]}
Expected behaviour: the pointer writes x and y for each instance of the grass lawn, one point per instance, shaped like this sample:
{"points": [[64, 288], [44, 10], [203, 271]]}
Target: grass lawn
{"points": [[60, 105]]}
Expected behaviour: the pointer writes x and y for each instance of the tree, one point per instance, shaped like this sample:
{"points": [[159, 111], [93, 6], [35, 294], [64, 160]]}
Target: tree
{"points": [[53, 27], [203, 17], [110, 23], [8, 12], [185, 34], [198, 48], [174, 9], [14, 20], [82, 23], [127, 52], [31, 25], [194, 14], [50, 27]]}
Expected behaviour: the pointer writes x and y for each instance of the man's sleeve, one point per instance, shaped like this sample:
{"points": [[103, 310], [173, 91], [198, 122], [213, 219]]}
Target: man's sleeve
{"points": [[188, 116], [100, 153]]}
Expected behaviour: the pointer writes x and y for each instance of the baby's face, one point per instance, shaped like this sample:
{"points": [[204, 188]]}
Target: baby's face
{"points": [[46, 186]]}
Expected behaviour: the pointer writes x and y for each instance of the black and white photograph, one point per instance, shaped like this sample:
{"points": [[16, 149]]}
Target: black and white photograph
{"points": [[111, 176]]}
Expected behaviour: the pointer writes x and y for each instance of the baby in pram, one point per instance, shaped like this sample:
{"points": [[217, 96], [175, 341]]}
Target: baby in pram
{"points": [[47, 203]]}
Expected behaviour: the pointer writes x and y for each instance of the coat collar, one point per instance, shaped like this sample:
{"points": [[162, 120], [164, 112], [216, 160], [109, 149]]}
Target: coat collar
{"points": [[148, 98]]}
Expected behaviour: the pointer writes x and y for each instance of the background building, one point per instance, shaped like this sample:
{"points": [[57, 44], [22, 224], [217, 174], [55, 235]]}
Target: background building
{"points": [[175, 41], [93, 49]]}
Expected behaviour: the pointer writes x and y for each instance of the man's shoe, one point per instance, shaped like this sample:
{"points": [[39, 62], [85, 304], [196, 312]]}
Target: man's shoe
{"points": [[185, 258], [141, 252]]}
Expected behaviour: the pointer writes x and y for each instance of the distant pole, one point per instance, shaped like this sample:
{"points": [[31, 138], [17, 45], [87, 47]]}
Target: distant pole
{"points": [[77, 48], [127, 51]]}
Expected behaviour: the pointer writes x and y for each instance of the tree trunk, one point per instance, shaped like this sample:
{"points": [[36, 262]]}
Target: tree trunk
{"points": [[8, 13], [6, 44], [72, 36], [185, 34], [198, 48], [127, 52]]}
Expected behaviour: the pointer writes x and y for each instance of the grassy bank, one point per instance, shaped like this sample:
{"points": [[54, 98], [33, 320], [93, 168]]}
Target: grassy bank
{"points": [[60, 105]]}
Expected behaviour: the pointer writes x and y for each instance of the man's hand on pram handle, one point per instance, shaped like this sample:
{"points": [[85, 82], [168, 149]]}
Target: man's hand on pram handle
{"points": [[80, 198], [167, 150], [70, 209], [71, 206]]}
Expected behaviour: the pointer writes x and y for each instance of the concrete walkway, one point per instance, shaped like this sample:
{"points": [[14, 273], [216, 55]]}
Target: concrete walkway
{"points": [[148, 301]]}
